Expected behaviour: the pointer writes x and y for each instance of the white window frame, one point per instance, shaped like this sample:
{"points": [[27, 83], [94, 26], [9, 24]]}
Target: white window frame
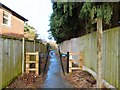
{"points": [[8, 18]]}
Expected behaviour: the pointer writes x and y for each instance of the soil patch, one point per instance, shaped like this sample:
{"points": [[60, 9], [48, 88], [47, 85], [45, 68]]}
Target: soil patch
{"points": [[81, 79], [30, 80]]}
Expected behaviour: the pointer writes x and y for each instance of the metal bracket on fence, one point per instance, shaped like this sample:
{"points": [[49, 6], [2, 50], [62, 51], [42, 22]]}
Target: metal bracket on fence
{"points": [[64, 55]]}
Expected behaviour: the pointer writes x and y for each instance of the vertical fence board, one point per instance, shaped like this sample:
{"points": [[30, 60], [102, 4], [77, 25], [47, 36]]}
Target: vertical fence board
{"points": [[118, 62], [1, 49], [4, 64]]}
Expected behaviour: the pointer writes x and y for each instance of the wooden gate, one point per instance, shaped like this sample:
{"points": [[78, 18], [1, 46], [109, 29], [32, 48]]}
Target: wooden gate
{"points": [[80, 61], [35, 62]]}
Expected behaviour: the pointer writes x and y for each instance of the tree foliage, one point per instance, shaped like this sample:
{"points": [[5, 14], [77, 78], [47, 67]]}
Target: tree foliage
{"points": [[92, 10], [63, 25], [71, 20], [30, 32]]}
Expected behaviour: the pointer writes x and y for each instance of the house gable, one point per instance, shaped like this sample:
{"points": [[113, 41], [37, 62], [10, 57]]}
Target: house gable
{"points": [[11, 23], [13, 12]]}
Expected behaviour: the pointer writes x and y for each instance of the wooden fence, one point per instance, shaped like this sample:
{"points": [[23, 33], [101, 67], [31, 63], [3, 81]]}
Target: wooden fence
{"points": [[110, 56], [11, 57]]}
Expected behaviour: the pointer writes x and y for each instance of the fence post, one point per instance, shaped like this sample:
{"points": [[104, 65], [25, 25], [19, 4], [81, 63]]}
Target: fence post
{"points": [[70, 63], [81, 60], [34, 45], [99, 53], [39, 63], [61, 60], [46, 61], [23, 54], [27, 63], [67, 62]]}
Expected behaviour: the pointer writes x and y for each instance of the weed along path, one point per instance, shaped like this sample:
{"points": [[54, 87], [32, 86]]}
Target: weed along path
{"points": [[54, 77]]}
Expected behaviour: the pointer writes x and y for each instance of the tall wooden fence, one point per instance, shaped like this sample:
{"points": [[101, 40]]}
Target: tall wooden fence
{"points": [[11, 57], [110, 56]]}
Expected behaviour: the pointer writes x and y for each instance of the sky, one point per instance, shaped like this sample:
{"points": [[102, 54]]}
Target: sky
{"points": [[36, 11]]}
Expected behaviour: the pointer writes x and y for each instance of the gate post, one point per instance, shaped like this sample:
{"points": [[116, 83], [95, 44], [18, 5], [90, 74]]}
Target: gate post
{"points": [[39, 63], [81, 60], [67, 62]]}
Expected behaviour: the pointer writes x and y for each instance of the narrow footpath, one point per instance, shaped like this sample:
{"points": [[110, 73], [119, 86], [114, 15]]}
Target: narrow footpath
{"points": [[54, 77]]}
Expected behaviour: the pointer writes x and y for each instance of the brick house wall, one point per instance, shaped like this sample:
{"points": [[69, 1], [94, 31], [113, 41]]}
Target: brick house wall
{"points": [[16, 27]]}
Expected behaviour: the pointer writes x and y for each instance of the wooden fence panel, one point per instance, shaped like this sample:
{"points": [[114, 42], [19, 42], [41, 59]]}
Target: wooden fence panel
{"points": [[11, 58], [110, 57], [29, 46], [37, 47]]}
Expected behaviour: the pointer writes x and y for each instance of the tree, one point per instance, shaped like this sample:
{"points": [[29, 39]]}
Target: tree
{"points": [[71, 20], [64, 26], [30, 32]]}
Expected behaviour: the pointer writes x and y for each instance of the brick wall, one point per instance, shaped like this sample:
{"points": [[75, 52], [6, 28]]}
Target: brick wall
{"points": [[16, 28]]}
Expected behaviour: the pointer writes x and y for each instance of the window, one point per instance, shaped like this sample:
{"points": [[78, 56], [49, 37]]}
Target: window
{"points": [[6, 19]]}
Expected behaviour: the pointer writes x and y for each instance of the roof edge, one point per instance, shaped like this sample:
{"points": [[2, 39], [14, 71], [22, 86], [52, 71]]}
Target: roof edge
{"points": [[13, 12]]}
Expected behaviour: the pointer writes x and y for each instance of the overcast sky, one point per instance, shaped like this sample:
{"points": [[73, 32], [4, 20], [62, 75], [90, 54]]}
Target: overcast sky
{"points": [[36, 11]]}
